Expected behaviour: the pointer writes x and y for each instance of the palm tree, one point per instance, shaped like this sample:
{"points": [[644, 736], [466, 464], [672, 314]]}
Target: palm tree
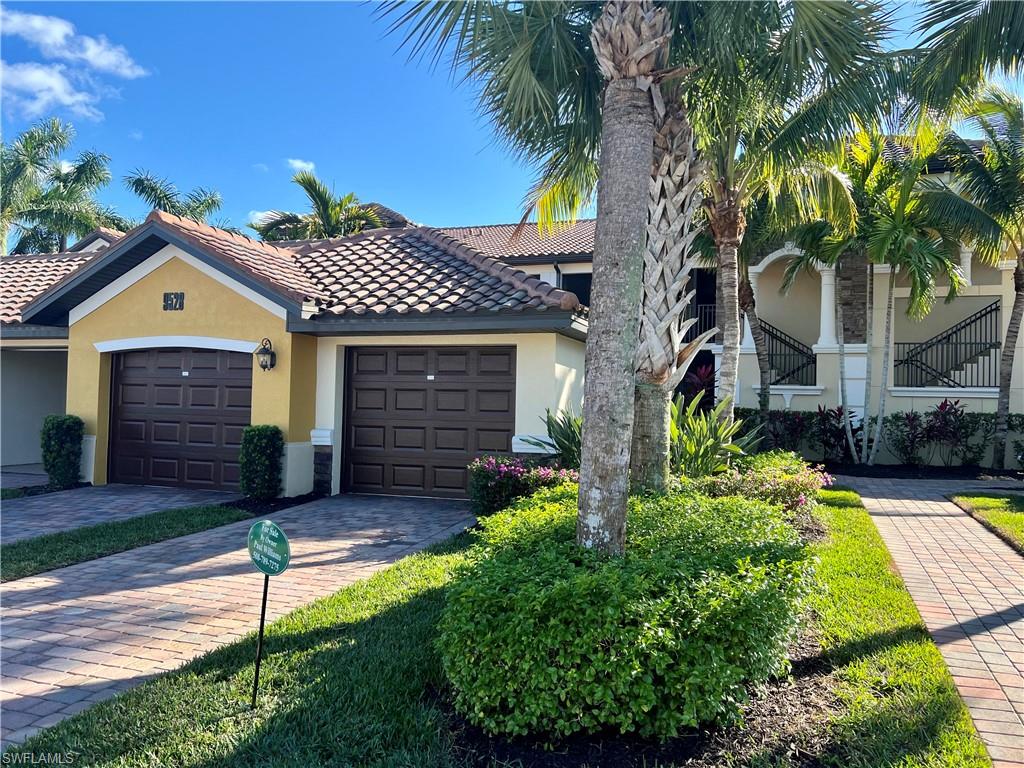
{"points": [[23, 166], [197, 205], [330, 216], [65, 206], [984, 204]]}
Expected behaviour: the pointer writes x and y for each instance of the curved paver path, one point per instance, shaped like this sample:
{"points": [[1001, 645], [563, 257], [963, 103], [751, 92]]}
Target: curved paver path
{"points": [[76, 635], [969, 587]]}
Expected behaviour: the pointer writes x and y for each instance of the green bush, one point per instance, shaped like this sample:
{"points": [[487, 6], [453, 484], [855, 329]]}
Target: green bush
{"points": [[260, 462], [61, 439], [540, 636], [565, 433], [701, 443], [497, 481], [776, 477]]}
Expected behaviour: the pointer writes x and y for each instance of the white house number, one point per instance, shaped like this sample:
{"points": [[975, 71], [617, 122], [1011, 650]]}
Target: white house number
{"points": [[174, 302]]}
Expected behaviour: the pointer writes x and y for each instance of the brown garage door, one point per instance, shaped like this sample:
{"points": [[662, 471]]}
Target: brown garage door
{"points": [[177, 417], [416, 416]]}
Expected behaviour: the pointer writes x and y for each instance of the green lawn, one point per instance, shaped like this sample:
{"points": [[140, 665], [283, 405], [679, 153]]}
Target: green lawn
{"points": [[44, 553], [1003, 513], [351, 680]]}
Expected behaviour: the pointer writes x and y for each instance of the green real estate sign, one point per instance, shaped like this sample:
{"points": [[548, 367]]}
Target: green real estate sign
{"points": [[268, 548]]}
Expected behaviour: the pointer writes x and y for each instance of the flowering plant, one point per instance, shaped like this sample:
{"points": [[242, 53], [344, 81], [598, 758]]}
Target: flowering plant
{"points": [[777, 477], [497, 481]]}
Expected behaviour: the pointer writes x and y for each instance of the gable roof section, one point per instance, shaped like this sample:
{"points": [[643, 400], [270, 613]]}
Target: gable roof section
{"points": [[104, 235], [502, 241], [26, 277]]}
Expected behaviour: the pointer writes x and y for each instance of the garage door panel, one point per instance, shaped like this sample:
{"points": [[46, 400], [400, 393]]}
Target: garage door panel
{"points": [[415, 417], [173, 429]]}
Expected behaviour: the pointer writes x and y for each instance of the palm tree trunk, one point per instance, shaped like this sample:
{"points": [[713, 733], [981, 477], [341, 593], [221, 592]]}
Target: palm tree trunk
{"points": [[886, 354], [727, 225], [62, 239], [748, 306], [649, 456], [869, 337], [627, 150], [1006, 366], [843, 399]]}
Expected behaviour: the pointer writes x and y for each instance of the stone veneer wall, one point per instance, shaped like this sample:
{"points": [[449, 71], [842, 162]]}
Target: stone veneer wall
{"points": [[852, 292], [323, 456]]}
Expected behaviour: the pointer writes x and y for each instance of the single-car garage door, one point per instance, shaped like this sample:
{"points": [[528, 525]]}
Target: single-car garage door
{"points": [[416, 416], [177, 417]]}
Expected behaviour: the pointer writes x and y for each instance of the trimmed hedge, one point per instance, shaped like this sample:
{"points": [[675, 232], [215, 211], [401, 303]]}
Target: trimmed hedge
{"points": [[540, 636], [497, 481], [61, 439], [776, 477], [260, 461]]}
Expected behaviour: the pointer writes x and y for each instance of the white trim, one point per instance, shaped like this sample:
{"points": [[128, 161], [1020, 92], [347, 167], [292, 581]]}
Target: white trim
{"points": [[87, 467], [788, 390], [850, 349], [1009, 264], [988, 393], [153, 263], [519, 445], [297, 469], [321, 436], [197, 342], [789, 249]]}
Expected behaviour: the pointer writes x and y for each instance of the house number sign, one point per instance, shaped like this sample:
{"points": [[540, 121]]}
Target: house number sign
{"points": [[174, 301]]}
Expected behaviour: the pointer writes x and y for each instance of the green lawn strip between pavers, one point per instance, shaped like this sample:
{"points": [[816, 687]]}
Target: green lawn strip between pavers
{"points": [[352, 679], [56, 550], [1003, 514]]}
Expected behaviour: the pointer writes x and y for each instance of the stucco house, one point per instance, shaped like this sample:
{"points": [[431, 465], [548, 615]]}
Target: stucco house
{"points": [[402, 352]]}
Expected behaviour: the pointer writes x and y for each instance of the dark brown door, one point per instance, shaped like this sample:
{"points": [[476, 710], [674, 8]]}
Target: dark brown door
{"points": [[177, 417], [416, 416]]}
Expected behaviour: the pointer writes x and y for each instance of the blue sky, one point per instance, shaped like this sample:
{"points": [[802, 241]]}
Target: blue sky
{"points": [[236, 96]]}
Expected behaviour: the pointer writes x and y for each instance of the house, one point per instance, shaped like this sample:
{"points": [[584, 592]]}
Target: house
{"points": [[403, 352]]}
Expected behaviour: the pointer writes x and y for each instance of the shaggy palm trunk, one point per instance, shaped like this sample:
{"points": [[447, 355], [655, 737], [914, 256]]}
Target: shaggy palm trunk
{"points": [[843, 399], [869, 337], [1006, 366], [622, 39], [727, 225], [664, 356], [890, 301], [748, 306]]}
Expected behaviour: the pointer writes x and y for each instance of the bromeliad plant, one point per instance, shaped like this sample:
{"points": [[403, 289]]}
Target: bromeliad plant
{"points": [[702, 442]]}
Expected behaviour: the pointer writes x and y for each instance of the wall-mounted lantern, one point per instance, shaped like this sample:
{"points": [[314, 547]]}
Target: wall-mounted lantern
{"points": [[266, 355]]}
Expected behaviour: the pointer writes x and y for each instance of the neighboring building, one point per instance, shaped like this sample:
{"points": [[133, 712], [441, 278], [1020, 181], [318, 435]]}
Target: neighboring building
{"points": [[403, 352]]}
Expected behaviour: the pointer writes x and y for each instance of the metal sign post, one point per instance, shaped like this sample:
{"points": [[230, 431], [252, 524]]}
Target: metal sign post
{"points": [[270, 553]]}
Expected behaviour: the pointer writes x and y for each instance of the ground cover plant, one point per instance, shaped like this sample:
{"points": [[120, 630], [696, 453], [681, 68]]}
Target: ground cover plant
{"points": [[1001, 513], [44, 553]]}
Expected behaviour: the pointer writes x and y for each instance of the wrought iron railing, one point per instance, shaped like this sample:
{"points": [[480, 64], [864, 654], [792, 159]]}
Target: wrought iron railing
{"points": [[790, 360], [705, 314], [964, 355]]}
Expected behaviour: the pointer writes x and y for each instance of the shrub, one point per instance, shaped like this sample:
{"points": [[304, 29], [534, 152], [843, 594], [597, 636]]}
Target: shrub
{"points": [[497, 481], [541, 636], [565, 433], [61, 440], [829, 434], [776, 477], [701, 442], [906, 436], [260, 462]]}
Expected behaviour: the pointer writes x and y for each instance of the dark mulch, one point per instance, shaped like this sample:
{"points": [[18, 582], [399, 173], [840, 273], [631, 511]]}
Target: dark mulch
{"points": [[258, 508], [784, 719], [911, 472], [40, 490]]}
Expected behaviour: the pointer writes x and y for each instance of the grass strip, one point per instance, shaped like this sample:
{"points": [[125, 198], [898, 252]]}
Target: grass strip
{"points": [[11, 493], [1001, 513], [56, 550]]}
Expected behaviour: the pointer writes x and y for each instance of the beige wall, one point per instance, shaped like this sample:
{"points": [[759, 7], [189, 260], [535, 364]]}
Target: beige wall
{"points": [[32, 386], [283, 396], [796, 312]]}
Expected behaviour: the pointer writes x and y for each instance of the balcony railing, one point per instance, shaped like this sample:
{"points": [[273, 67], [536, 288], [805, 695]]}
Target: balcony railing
{"points": [[791, 361], [705, 314], [964, 355]]}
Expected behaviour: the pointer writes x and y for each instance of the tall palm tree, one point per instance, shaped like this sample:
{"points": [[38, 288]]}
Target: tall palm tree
{"points": [[23, 167], [65, 206], [984, 204], [330, 215], [198, 205]]}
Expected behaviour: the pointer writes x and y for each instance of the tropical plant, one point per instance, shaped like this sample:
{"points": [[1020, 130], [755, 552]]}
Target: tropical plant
{"points": [[24, 164], [197, 205], [330, 215], [565, 435], [703, 442], [984, 206]]}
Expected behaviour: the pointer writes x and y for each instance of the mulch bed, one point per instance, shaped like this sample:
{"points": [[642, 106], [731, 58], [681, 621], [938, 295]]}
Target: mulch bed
{"points": [[785, 722], [258, 508], [41, 490], [910, 472]]}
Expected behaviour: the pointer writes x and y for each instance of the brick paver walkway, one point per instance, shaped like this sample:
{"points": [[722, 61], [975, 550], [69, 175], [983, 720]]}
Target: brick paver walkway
{"points": [[969, 587], [33, 516], [80, 634], [22, 476]]}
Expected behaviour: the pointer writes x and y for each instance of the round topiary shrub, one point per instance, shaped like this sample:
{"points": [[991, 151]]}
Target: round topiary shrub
{"points": [[260, 461], [539, 636], [61, 443]]}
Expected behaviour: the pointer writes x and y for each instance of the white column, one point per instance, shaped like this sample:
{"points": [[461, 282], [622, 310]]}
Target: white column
{"points": [[965, 263], [827, 322], [748, 335]]}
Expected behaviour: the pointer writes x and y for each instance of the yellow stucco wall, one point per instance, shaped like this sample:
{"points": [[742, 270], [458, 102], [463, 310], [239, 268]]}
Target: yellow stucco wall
{"points": [[283, 396]]}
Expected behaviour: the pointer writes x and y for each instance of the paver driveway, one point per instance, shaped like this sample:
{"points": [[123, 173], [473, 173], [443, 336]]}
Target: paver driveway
{"points": [[61, 511], [969, 587], [80, 634]]}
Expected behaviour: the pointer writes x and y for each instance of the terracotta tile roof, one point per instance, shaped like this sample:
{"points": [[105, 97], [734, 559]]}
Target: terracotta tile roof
{"points": [[391, 218], [24, 277], [501, 240], [268, 263], [419, 270]]}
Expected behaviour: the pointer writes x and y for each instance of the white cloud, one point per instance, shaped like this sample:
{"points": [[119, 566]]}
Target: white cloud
{"points": [[301, 165], [65, 165], [56, 39], [34, 89], [135, 135], [256, 216], [261, 167]]}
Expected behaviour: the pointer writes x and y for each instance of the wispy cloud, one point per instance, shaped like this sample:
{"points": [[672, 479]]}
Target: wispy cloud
{"points": [[301, 165], [261, 167], [56, 38], [135, 135], [34, 89], [256, 216]]}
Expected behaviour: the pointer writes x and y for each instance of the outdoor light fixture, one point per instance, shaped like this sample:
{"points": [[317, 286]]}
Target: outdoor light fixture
{"points": [[266, 355]]}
